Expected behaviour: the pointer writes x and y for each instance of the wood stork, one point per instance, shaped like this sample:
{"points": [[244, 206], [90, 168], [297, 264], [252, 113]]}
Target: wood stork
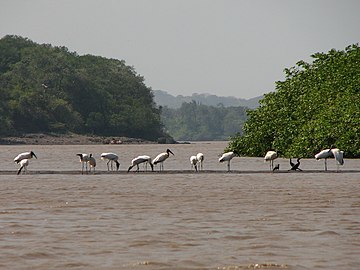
{"points": [[271, 156], [295, 167], [200, 160], [111, 158], [325, 154], [228, 157], [84, 159], [339, 157], [160, 158], [23, 165], [25, 155], [193, 162], [141, 159], [92, 163]]}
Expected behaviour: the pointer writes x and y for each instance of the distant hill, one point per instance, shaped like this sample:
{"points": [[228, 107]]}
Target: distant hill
{"points": [[162, 98]]}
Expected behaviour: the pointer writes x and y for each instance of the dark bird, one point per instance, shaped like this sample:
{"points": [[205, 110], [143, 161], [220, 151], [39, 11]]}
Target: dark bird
{"points": [[295, 167], [276, 168]]}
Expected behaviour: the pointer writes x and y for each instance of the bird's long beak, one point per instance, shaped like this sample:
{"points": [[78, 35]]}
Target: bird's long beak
{"points": [[35, 156], [171, 152], [152, 166]]}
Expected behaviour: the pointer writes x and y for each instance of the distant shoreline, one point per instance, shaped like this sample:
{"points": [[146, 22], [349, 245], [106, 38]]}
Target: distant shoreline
{"points": [[68, 139]]}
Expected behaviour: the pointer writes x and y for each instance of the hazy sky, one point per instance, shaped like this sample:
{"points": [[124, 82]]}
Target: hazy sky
{"points": [[224, 47]]}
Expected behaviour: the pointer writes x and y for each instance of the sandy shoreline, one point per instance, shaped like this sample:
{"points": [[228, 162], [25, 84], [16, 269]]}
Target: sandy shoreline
{"points": [[68, 139]]}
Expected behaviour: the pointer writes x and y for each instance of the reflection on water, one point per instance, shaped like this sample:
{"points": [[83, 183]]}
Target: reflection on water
{"points": [[176, 221]]}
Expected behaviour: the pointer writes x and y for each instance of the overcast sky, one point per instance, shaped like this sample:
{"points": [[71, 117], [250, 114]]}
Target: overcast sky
{"points": [[224, 47]]}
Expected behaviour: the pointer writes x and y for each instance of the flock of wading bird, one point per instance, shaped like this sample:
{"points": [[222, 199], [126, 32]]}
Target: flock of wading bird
{"points": [[88, 162]]}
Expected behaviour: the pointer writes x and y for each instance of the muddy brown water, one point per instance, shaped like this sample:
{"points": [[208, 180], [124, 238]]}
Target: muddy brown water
{"points": [[179, 219]]}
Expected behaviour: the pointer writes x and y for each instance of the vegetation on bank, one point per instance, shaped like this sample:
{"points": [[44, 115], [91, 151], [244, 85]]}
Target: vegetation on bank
{"points": [[315, 107], [47, 89], [197, 122], [162, 98]]}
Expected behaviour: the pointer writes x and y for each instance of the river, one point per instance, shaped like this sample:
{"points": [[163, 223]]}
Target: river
{"points": [[55, 218]]}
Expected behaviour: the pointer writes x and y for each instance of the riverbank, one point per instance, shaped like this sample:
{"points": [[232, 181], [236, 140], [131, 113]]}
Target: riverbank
{"points": [[68, 139]]}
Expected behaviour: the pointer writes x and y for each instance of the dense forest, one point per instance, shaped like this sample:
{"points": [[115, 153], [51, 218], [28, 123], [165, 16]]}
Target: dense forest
{"points": [[317, 106], [49, 89], [162, 98], [194, 121]]}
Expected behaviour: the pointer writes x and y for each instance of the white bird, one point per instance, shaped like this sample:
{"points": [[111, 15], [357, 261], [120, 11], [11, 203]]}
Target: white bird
{"points": [[200, 160], [325, 154], [84, 159], [23, 165], [111, 157], [92, 162], [160, 158], [339, 157], [193, 162], [25, 155], [228, 157], [141, 159], [271, 156]]}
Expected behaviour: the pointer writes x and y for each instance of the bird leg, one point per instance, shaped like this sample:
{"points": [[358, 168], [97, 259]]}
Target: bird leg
{"points": [[325, 164], [107, 164]]}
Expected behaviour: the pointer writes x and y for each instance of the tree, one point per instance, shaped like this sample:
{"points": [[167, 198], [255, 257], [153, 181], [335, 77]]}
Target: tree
{"points": [[49, 89], [318, 105], [194, 121]]}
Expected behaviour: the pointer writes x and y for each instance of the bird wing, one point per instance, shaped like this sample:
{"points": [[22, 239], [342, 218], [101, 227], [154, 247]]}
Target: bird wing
{"points": [[92, 162], [326, 153], [139, 159], [270, 155], [22, 156], [110, 156], [17, 158], [160, 157], [226, 156], [193, 160], [292, 163], [339, 156], [200, 156]]}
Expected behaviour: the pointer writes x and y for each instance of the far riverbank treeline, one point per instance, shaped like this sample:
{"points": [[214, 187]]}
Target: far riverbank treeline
{"points": [[194, 121], [49, 89], [317, 106]]}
